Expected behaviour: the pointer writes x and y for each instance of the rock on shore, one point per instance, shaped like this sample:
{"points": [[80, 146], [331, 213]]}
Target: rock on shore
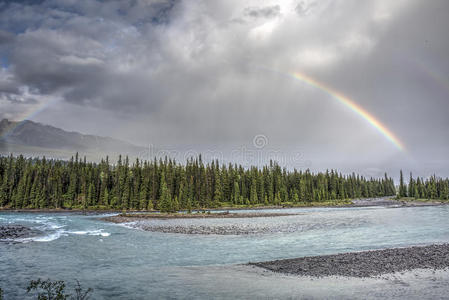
{"points": [[12, 232], [363, 264]]}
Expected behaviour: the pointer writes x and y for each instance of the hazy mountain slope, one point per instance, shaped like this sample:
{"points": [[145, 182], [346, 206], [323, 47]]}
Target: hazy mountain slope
{"points": [[31, 138]]}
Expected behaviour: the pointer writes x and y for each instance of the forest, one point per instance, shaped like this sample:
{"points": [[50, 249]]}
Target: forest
{"points": [[432, 188], [168, 186]]}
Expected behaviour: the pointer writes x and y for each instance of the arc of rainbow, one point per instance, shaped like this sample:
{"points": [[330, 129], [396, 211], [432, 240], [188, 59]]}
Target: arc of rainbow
{"points": [[28, 114], [436, 76], [353, 106]]}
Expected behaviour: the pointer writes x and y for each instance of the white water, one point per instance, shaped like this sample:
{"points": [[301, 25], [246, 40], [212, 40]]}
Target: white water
{"points": [[124, 263]]}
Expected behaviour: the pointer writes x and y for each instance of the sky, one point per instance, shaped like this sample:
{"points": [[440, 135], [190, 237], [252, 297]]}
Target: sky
{"points": [[218, 77]]}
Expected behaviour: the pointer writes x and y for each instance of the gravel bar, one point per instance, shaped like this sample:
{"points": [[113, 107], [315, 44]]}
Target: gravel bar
{"points": [[363, 264], [124, 218]]}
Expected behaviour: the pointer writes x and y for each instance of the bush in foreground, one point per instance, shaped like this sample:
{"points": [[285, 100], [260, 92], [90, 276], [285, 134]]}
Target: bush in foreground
{"points": [[55, 290]]}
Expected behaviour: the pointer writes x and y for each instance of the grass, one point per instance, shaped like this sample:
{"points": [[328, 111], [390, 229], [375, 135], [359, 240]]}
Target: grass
{"points": [[224, 205], [412, 199], [229, 205]]}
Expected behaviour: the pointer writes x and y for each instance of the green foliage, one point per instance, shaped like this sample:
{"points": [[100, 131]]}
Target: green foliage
{"points": [[55, 290], [80, 294], [402, 187], [165, 201], [48, 290], [1, 294], [432, 188], [169, 186]]}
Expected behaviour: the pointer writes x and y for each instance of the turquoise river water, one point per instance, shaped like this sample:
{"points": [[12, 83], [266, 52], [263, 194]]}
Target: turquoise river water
{"points": [[120, 262]]}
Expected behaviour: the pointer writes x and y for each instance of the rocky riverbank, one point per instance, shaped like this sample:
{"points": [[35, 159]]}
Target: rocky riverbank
{"points": [[391, 202], [9, 233], [124, 218], [363, 264], [181, 223]]}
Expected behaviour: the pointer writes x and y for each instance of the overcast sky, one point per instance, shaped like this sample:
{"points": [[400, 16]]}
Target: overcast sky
{"points": [[211, 75]]}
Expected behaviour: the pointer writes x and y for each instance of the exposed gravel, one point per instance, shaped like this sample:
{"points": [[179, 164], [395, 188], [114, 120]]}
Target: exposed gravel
{"points": [[124, 218], [161, 223], [384, 201], [363, 264], [390, 202], [241, 226], [10, 233], [205, 229]]}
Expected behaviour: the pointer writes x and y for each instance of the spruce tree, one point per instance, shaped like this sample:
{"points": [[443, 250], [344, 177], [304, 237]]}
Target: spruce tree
{"points": [[253, 192], [165, 201], [218, 192], [295, 197], [402, 187]]}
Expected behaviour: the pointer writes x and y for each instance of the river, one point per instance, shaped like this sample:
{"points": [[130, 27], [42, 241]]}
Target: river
{"points": [[120, 262]]}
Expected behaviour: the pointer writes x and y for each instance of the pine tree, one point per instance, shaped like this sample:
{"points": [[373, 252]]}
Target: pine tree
{"points": [[4, 191], [218, 193], [236, 197], [189, 204], [295, 197], [253, 192], [402, 187], [277, 199], [165, 201], [42, 198], [411, 186], [175, 207], [105, 199]]}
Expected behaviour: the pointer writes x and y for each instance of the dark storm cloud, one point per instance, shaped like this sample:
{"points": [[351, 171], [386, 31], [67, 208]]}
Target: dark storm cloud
{"points": [[8, 87], [5, 37], [84, 58], [185, 72]]}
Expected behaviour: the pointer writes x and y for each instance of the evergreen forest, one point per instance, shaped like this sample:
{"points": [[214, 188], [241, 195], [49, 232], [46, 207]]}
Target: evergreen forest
{"points": [[169, 186]]}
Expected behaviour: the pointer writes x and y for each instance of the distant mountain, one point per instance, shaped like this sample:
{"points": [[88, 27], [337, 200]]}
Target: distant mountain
{"points": [[36, 139]]}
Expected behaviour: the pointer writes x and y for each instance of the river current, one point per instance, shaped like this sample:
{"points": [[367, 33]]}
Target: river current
{"points": [[120, 262]]}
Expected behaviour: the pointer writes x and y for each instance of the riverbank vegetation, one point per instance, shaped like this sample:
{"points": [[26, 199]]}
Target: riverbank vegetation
{"points": [[432, 188], [55, 290], [168, 186]]}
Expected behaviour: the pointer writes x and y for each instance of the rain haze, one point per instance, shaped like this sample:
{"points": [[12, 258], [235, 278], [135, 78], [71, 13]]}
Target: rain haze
{"points": [[356, 85]]}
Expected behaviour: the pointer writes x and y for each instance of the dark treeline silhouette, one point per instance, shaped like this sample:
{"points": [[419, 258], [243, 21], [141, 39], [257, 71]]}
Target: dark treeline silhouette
{"points": [[430, 188], [169, 186]]}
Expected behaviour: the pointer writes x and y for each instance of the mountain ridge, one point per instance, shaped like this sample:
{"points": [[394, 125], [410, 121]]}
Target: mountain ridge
{"points": [[29, 137]]}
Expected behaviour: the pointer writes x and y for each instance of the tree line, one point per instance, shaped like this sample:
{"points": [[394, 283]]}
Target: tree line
{"points": [[170, 186], [420, 188]]}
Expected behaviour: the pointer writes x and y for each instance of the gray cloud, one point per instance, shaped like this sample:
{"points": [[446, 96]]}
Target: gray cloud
{"points": [[186, 73], [17, 99], [263, 12], [303, 8], [5, 37]]}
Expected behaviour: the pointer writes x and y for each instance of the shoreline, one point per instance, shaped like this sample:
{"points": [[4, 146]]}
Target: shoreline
{"points": [[126, 218], [362, 264], [363, 202]]}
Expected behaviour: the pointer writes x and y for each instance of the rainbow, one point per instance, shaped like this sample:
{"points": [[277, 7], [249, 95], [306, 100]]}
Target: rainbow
{"points": [[353, 106], [27, 115], [436, 76], [299, 76]]}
